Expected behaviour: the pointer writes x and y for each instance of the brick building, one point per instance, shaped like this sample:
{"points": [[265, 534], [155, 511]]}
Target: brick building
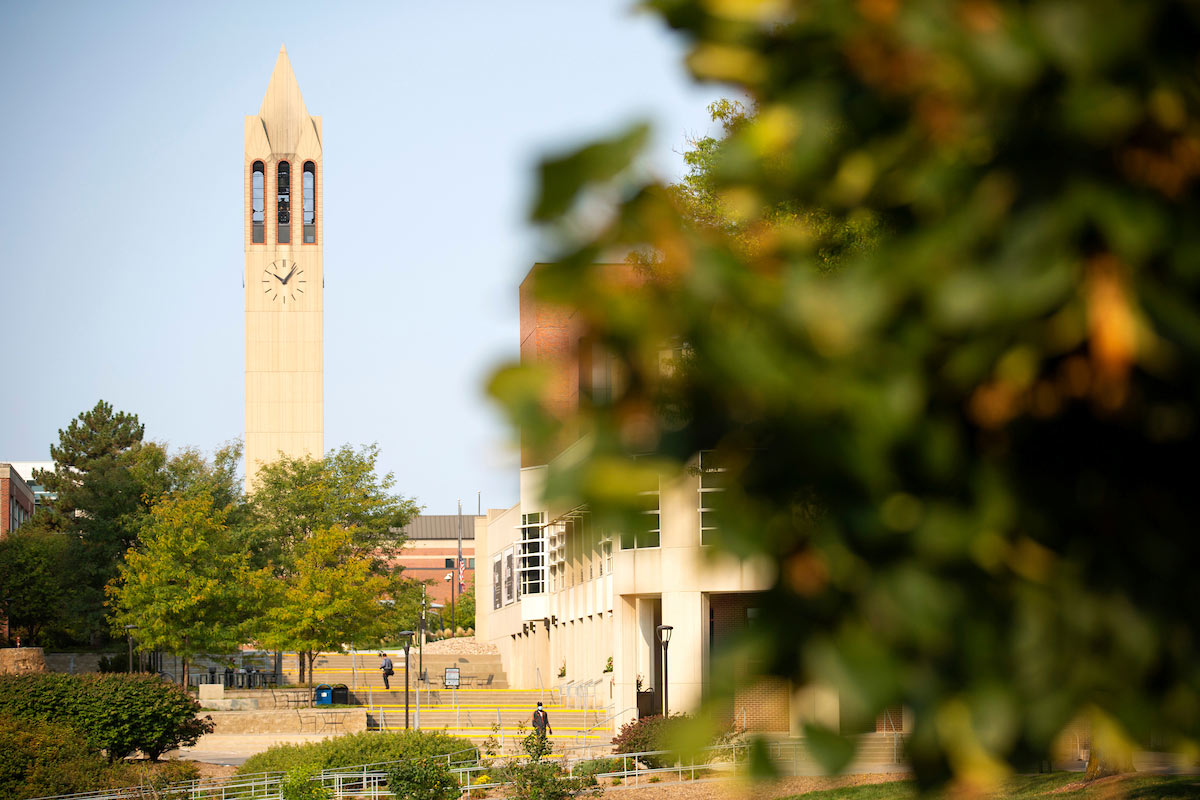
{"points": [[431, 551], [18, 499], [562, 597], [16, 508]]}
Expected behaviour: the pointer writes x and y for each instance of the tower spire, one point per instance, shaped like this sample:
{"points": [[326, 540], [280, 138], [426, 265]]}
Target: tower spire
{"points": [[282, 111]]}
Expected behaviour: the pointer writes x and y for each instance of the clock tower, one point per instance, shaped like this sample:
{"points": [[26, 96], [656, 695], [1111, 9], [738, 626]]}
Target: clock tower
{"points": [[284, 230]]}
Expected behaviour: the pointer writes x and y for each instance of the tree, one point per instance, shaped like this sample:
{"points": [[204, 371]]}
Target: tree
{"points": [[34, 579], [104, 481], [306, 512], [189, 586], [330, 597], [967, 449], [295, 496]]}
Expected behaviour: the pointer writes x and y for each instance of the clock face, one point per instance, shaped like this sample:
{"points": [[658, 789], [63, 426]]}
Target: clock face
{"points": [[283, 281]]}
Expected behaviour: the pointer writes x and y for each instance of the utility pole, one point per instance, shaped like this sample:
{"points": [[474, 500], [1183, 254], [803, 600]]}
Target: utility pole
{"points": [[454, 576]]}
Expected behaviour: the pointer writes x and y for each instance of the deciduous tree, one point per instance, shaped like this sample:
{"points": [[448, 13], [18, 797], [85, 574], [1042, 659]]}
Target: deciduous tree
{"points": [[189, 585], [967, 449]]}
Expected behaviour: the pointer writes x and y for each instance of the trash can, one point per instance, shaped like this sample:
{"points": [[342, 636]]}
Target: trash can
{"points": [[323, 695], [341, 694]]}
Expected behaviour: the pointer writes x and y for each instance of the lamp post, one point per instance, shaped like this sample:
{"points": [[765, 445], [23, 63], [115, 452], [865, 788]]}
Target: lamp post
{"points": [[129, 629], [664, 637], [406, 637]]}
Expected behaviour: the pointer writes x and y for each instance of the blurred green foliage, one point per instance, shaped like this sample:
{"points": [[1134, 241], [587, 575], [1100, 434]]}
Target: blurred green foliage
{"points": [[966, 446]]}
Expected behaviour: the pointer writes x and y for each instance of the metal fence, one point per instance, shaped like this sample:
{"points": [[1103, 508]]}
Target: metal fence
{"points": [[474, 774]]}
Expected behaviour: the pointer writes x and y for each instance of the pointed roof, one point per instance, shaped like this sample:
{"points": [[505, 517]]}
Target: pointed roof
{"points": [[283, 113]]}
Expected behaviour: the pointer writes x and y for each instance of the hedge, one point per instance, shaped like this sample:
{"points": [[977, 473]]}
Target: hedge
{"points": [[358, 748], [40, 758], [116, 714]]}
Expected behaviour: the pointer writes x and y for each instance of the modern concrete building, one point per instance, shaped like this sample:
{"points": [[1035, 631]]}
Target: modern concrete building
{"points": [[284, 276], [576, 607]]}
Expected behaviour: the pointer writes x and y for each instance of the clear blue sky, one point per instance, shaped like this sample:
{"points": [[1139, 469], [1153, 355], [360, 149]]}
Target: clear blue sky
{"points": [[121, 202]]}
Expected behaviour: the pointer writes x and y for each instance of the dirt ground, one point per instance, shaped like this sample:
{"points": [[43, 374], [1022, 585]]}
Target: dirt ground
{"points": [[736, 789], [214, 770]]}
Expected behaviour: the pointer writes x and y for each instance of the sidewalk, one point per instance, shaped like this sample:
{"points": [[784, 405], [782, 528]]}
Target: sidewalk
{"points": [[234, 749]]}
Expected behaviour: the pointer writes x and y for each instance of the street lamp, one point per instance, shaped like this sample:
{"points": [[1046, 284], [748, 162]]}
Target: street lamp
{"points": [[129, 636], [664, 637], [406, 637]]}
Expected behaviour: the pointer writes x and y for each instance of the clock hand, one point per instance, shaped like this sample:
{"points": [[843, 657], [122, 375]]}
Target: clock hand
{"points": [[289, 275]]}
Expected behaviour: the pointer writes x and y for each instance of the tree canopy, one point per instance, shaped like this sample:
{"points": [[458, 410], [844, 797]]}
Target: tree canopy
{"points": [[966, 448]]}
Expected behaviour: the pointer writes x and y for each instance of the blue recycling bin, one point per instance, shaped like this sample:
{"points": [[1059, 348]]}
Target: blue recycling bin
{"points": [[323, 695]]}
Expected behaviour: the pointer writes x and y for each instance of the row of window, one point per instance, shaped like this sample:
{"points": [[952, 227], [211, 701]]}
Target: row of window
{"points": [[283, 202], [450, 563], [541, 558]]}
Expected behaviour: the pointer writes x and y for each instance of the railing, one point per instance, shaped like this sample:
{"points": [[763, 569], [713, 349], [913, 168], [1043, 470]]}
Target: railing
{"points": [[369, 780]]}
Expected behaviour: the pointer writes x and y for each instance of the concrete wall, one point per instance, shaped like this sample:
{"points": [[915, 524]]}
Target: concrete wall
{"points": [[21, 660]]}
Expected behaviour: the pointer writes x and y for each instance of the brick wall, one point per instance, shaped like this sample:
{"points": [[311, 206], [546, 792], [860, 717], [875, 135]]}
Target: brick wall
{"points": [[764, 702], [550, 336]]}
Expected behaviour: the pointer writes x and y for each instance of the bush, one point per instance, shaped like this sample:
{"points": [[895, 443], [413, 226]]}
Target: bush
{"points": [[40, 758], [423, 779], [649, 733], [358, 748], [298, 784], [118, 714], [588, 770], [544, 780]]}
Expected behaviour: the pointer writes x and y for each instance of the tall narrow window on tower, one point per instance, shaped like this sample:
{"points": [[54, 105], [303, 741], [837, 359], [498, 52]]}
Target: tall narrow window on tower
{"points": [[310, 202], [258, 203], [283, 211]]}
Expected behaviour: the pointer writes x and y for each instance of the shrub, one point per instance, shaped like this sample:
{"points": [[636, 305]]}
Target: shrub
{"points": [[40, 758], [423, 779], [544, 780], [358, 748], [118, 714], [298, 784], [588, 770], [648, 733], [536, 745]]}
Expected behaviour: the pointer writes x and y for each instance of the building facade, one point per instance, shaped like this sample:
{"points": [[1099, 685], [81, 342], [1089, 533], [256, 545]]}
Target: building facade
{"points": [[576, 607], [431, 553], [284, 276], [16, 508], [17, 498]]}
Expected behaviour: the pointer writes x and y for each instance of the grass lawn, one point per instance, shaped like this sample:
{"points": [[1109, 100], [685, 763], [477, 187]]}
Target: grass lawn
{"points": [[1054, 786]]}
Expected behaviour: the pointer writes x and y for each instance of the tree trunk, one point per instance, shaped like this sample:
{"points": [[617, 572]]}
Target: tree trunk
{"points": [[183, 673], [1105, 761]]}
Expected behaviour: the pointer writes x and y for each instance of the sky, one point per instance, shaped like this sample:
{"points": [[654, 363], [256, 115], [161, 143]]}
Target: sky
{"points": [[121, 249]]}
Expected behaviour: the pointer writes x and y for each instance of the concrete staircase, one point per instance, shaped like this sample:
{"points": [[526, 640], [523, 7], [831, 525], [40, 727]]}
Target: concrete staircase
{"points": [[360, 671]]}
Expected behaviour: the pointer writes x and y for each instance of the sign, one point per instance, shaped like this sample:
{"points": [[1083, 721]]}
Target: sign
{"points": [[451, 677]]}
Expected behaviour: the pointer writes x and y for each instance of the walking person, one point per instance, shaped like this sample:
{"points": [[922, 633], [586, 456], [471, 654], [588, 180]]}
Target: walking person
{"points": [[385, 669], [541, 722]]}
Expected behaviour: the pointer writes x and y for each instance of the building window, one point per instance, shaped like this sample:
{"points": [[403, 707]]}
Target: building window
{"points": [[646, 532], [309, 190], [497, 581], [712, 486], [258, 203], [283, 198], [533, 553], [449, 563], [470, 563], [510, 584]]}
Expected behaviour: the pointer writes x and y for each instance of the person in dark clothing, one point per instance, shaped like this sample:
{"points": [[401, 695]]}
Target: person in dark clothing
{"points": [[541, 722], [385, 668]]}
